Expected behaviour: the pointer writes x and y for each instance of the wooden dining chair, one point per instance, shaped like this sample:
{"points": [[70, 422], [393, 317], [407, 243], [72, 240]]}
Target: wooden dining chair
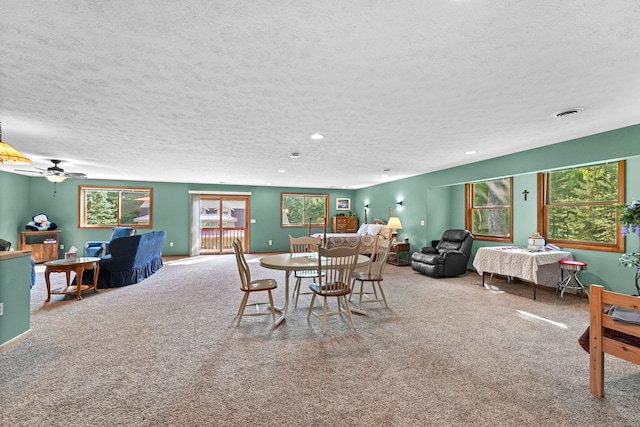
{"points": [[300, 245], [337, 266], [249, 286], [374, 275]]}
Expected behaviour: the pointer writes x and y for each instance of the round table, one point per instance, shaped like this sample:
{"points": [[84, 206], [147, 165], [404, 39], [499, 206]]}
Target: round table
{"points": [[78, 265], [295, 262]]}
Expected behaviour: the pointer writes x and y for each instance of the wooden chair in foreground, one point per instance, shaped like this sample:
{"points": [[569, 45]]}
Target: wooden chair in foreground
{"points": [[249, 286], [373, 275], [337, 265], [302, 245], [599, 344]]}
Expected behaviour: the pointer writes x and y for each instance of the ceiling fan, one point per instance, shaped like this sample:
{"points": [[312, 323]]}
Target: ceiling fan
{"points": [[55, 173]]}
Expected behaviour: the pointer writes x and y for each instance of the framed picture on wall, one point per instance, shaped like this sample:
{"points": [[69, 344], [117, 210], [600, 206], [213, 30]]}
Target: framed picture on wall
{"points": [[343, 204]]}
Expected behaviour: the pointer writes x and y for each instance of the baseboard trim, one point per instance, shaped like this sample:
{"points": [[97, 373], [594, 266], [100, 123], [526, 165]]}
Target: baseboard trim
{"points": [[15, 340]]}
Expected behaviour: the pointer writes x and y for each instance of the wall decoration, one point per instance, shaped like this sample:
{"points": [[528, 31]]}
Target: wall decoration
{"points": [[343, 204]]}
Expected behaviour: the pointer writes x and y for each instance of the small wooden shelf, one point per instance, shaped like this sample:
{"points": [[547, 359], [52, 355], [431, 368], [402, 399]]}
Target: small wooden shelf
{"points": [[44, 245]]}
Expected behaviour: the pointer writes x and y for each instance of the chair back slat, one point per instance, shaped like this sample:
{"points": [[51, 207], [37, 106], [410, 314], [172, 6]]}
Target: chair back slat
{"points": [[337, 265], [304, 244], [379, 257], [243, 265]]}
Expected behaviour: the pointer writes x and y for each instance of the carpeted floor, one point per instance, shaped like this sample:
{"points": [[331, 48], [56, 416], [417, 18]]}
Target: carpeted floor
{"points": [[166, 352]]}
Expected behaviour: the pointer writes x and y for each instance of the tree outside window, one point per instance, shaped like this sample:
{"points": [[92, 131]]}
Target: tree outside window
{"points": [[488, 209], [579, 206], [109, 207], [297, 209]]}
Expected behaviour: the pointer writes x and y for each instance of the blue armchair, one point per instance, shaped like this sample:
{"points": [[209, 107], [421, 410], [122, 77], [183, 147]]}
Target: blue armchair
{"points": [[101, 248]]}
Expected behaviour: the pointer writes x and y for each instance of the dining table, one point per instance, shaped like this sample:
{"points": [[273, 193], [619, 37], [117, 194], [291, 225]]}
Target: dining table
{"points": [[290, 262]]}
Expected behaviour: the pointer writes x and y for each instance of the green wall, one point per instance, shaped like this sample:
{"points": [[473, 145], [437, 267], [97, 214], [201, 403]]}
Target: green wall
{"points": [[14, 205], [171, 205], [15, 281], [436, 198]]}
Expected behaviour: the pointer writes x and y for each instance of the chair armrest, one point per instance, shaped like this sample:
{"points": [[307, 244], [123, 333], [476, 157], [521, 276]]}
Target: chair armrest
{"points": [[98, 250], [93, 243]]}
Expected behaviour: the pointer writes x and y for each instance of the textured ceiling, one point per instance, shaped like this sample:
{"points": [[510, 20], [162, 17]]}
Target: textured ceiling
{"points": [[210, 91]]}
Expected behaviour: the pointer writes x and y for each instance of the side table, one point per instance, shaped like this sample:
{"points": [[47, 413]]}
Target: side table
{"points": [[78, 266], [395, 252]]}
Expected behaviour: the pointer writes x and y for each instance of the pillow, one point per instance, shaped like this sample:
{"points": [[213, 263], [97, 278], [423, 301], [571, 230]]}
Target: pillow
{"points": [[385, 232], [363, 229], [374, 229]]}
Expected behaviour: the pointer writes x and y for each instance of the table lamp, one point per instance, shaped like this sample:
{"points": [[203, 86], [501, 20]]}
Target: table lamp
{"points": [[395, 225]]}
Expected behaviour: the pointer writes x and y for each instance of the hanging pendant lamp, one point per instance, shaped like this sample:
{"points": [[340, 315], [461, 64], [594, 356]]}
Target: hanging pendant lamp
{"points": [[8, 155]]}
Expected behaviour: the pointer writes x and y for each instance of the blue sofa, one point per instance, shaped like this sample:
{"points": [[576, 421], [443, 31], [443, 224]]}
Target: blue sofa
{"points": [[99, 249], [130, 260]]}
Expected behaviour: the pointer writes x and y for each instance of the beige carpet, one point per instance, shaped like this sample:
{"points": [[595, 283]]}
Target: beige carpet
{"points": [[165, 352]]}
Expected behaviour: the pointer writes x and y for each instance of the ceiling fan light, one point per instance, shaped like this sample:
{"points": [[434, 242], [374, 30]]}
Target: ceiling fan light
{"points": [[55, 178]]}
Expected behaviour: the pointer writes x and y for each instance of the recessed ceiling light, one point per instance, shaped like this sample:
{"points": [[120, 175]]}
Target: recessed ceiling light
{"points": [[281, 171], [316, 136], [294, 155], [468, 153], [567, 112]]}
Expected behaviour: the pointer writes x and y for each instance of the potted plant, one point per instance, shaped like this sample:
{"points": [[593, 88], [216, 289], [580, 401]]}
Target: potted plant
{"points": [[630, 221]]}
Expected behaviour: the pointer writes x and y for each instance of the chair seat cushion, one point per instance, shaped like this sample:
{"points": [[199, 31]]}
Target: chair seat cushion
{"points": [[262, 284], [427, 258], [310, 274], [333, 290], [366, 277]]}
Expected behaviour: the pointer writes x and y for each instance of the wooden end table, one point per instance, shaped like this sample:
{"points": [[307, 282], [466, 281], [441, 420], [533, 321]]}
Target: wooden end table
{"points": [[79, 265], [398, 248]]}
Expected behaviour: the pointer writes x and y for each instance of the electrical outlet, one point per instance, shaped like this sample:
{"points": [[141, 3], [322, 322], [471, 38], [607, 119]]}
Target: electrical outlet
{"points": [[61, 246], [1, 308], [270, 242], [422, 222], [170, 243]]}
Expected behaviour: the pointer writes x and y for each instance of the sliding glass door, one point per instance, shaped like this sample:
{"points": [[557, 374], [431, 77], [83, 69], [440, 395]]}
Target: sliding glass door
{"points": [[220, 220]]}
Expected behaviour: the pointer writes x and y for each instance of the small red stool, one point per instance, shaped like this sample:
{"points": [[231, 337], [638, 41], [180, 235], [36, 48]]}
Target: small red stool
{"points": [[572, 268]]}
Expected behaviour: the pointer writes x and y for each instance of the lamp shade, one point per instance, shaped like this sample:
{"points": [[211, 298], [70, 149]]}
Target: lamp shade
{"points": [[8, 155], [394, 222]]}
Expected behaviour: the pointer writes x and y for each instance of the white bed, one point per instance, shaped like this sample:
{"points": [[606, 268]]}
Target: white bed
{"points": [[366, 236]]}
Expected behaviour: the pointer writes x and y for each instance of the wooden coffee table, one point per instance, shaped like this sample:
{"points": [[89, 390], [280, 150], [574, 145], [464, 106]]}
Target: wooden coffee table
{"points": [[79, 265]]}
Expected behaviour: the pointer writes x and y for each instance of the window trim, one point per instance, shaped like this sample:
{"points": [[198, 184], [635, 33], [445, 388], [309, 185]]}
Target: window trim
{"points": [[543, 193], [289, 193], [82, 214], [469, 207]]}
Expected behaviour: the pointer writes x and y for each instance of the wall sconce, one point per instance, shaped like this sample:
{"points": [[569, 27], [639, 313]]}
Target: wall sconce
{"points": [[366, 206], [399, 203]]}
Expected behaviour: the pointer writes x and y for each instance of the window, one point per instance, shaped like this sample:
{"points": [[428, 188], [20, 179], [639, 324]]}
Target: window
{"points": [[113, 206], [488, 209], [578, 206], [296, 209]]}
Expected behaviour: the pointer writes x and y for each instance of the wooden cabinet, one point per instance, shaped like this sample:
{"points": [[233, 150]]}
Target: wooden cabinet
{"points": [[44, 245], [344, 224]]}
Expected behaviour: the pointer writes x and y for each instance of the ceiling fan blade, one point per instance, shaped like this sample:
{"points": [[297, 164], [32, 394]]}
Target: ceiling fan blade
{"points": [[75, 175], [29, 171]]}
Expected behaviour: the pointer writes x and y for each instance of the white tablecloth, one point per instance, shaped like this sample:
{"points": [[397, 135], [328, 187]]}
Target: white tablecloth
{"points": [[537, 267]]}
